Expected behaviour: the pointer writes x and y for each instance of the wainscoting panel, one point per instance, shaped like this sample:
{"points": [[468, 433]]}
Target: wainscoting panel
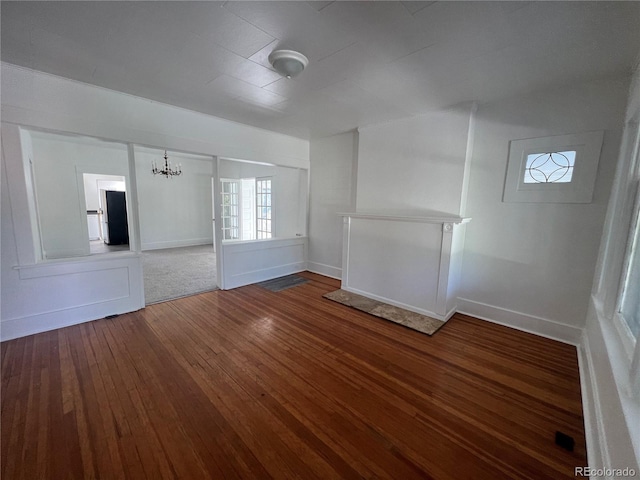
{"points": [[59, 294], [255, 261]]}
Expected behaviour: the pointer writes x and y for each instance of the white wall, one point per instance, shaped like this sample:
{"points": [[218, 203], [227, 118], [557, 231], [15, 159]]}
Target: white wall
{"points": [[58, 164], [531, 265], [415, 165], [38, 99], [528, 264], [333, 162], [91, 188], [290, 197], [176, 211], [288, 188]]}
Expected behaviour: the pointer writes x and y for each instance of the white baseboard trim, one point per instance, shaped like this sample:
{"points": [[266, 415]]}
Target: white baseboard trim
{"points": [[262, 275], [411, 308], [326, 270], [595, 435], [177, 243], [43, 322], [521, 321]]}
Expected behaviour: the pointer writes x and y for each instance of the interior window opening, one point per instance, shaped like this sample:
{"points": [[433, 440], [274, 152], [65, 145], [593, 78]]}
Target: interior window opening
{"points": [[247, 208], [78, 194]]}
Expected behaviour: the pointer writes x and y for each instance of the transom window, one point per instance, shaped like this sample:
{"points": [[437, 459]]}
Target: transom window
{"points": [[559, 169], [550, 167]]}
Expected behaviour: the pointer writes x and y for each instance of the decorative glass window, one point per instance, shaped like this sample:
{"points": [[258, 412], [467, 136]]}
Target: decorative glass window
{"points": [[230, 210], [263, 208], [550, 167], [559, 169]]}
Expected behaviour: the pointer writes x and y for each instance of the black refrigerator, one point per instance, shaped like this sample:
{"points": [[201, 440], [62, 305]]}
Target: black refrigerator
{"points": [[115, 229]]}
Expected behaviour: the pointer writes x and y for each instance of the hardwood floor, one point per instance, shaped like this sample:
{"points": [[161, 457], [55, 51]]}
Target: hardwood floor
{"points": [[250, 383]]}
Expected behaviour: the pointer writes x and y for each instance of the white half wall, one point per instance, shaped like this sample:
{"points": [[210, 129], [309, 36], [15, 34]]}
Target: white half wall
{"points": [[332, 178], [535, 262], [259, 260], [100, 286], [174, 212], [48, 295]]}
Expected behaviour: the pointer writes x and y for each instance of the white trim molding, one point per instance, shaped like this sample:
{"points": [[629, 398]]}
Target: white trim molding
{"points": [[324, 269], [594, 431], [191, 242], [427, 218], [521, 321], [611, 406], [587, 147]]}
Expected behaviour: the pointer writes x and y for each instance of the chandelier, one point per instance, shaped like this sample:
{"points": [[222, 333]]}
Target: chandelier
{"points": [[167, 171]]}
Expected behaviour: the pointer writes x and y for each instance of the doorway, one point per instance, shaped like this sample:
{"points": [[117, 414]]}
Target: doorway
{"points": [[176, 216], [106, 207]]}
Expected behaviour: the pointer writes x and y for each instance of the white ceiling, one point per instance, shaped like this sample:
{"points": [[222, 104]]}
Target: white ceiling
{"points": [[369, 61]]}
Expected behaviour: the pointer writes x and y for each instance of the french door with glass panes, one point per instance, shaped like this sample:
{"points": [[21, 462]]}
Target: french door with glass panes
{"points": [[230, 209]]}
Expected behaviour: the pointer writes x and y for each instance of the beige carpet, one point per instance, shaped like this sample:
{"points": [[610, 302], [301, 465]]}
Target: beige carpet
{"points": [[406, 318], [178, 272]]}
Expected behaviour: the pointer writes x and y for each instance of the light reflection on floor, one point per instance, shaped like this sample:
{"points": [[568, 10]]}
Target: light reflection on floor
{"points": [[263, 325]]}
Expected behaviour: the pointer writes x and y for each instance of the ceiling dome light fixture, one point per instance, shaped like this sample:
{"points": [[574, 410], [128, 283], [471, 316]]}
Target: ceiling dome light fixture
{"points": [[288, 63]]}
